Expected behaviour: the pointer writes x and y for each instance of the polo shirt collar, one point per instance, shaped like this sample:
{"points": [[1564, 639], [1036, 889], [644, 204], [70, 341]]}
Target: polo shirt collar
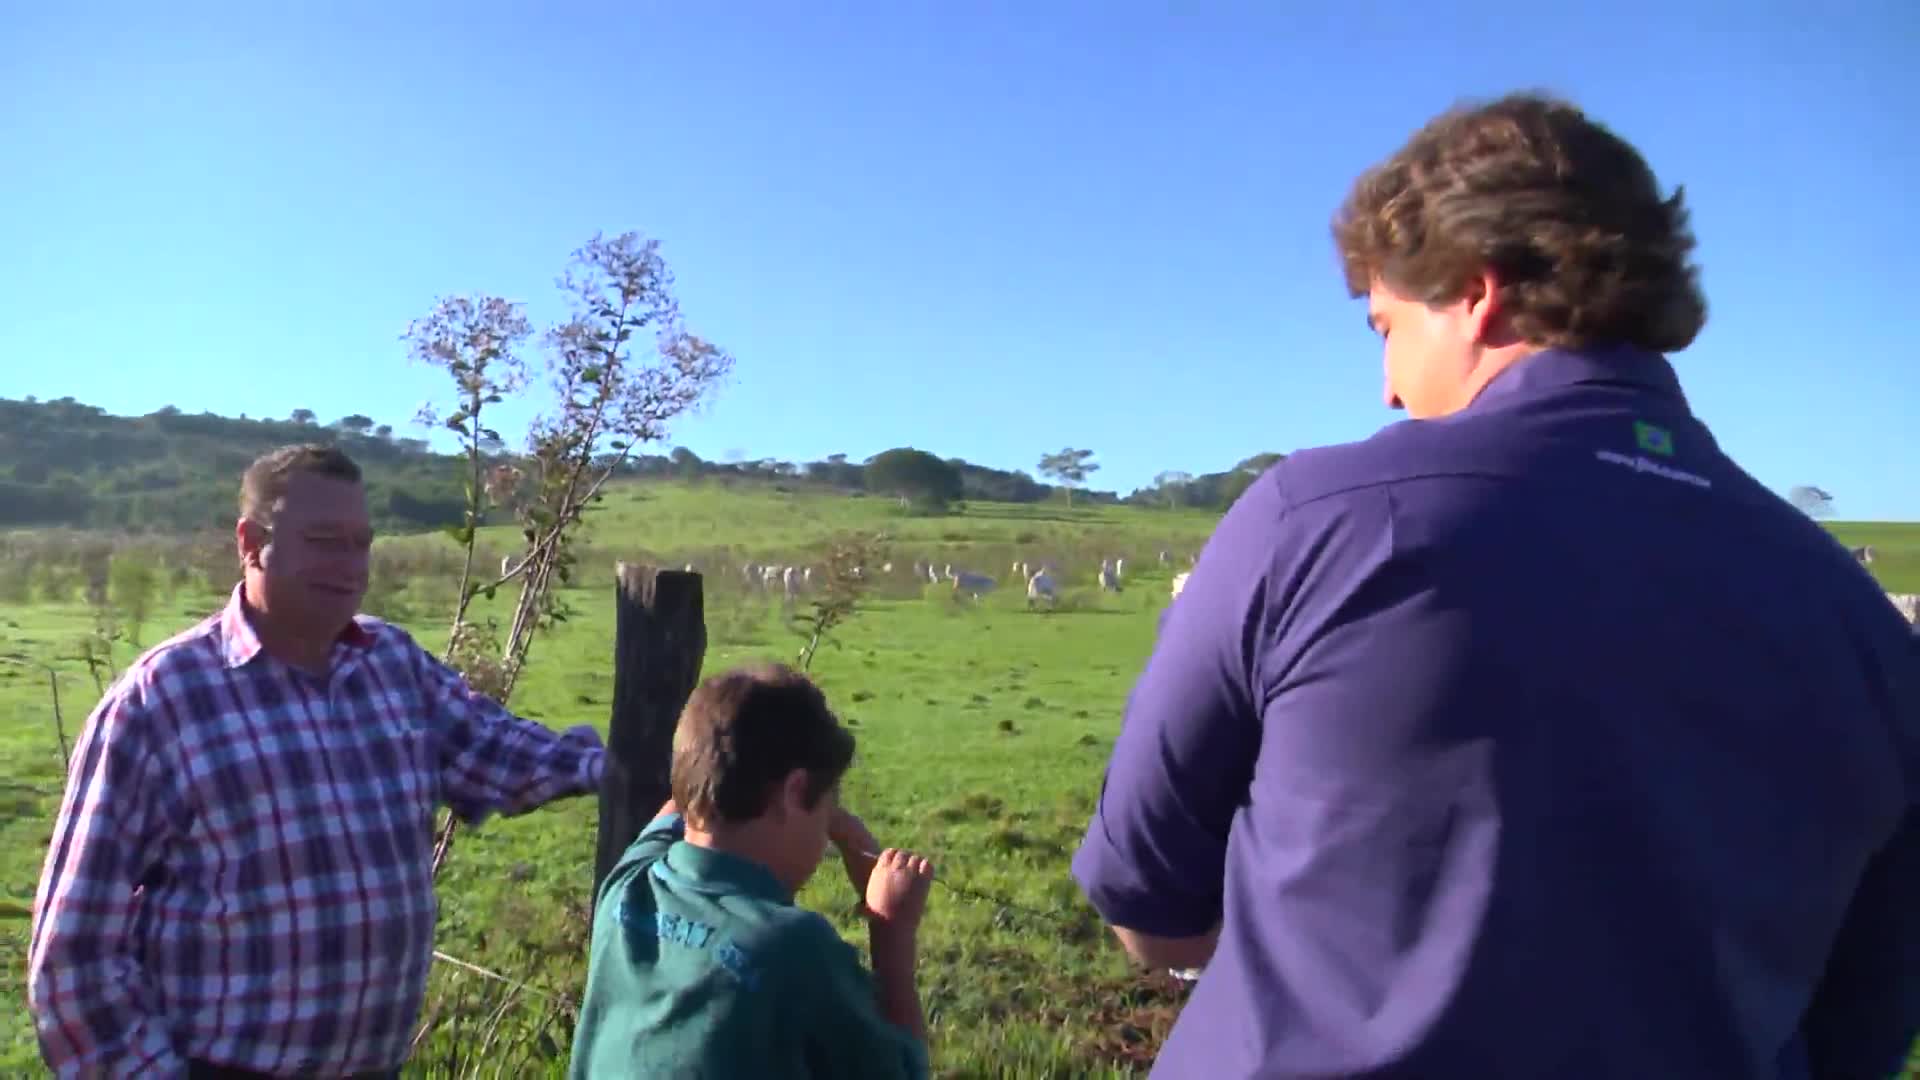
{"points": [[1551, 370], [720, 871]]}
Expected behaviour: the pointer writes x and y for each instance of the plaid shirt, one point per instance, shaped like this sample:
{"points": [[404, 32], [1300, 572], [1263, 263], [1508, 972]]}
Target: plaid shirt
{"points": [[241, 868]]}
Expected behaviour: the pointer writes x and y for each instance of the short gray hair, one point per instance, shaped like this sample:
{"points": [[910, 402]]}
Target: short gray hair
{"points": [[265, 481]]}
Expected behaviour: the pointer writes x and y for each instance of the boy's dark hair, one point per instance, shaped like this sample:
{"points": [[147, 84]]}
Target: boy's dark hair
{"points": [[743, 731], [1566, 214]]}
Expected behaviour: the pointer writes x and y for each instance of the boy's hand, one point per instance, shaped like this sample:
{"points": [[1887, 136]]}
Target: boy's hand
{"points": [[896, 898], [897, 890], [857, 847]]}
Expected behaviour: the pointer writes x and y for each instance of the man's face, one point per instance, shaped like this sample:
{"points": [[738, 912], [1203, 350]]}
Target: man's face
{"points": [[1430, 352], [314, 561]]}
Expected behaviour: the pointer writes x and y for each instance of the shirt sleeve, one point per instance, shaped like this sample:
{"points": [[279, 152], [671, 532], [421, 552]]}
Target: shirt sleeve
{"points": [[1153, 857], [1865, 1014], [493, 762], [94, 1007], [848, 1036]]}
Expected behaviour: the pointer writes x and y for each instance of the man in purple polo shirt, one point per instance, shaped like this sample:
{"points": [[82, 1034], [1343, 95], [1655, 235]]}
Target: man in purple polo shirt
{"points": [[1531, 736]]}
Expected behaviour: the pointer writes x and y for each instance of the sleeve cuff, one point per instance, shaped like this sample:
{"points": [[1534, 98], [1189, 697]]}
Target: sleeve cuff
{"points": [[1122, 899]]}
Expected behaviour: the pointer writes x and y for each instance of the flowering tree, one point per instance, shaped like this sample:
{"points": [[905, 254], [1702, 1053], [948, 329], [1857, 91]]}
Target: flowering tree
{"points": [[609, 396]]}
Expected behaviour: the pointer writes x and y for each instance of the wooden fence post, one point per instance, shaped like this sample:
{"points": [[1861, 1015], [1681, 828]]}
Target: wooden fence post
{"points": [[659, 641]]}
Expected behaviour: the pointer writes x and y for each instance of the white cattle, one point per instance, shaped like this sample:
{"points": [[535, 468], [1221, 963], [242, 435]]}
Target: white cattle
{"points": [[1864, 554], [1908, 605], [1180, 581], [790, 581], [1040, 587], [965, 581]]}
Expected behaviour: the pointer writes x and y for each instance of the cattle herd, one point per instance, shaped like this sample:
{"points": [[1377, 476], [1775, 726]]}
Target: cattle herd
{"points": [[1043, 579]]}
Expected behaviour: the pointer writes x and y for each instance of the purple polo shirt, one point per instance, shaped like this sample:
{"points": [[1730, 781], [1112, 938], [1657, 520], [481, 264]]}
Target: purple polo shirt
{"points": [[1539, 740]]}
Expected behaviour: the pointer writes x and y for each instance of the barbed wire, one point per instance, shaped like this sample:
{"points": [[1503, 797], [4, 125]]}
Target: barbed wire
{"points": [[494, 975], [1052, 915]]}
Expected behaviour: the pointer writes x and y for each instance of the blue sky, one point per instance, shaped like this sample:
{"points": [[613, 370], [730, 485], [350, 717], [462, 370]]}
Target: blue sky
{"points": [[985, 229]]}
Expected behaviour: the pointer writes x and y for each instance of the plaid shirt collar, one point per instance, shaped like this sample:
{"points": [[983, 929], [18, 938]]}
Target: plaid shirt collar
{"points": [[239, 643]]}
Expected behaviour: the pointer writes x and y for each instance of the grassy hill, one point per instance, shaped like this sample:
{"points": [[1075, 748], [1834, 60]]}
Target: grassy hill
{"points": [[65, 463], [677, 523], [1896, 547]]}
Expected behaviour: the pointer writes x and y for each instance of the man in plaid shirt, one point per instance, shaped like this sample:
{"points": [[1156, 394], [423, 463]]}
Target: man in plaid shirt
{"points": [[240, 878]]}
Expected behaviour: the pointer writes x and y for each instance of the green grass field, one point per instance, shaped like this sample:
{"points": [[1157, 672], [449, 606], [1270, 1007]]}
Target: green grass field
{"points": [[983, 731]]}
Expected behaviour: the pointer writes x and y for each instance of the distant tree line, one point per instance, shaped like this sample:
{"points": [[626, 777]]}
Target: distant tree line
{"points": [[917, 476], [1211, 491], [67, 463]]}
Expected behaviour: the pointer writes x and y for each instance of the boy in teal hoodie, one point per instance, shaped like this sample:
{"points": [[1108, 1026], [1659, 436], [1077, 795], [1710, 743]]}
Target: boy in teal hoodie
{"points": [[700, 964]]}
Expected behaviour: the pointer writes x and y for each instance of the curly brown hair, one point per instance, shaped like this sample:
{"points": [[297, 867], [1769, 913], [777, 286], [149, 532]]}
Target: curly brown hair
{"points": [[1565, 214]]}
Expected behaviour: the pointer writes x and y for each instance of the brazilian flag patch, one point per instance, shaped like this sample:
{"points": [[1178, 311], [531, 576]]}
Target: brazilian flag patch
{"points": [[1652, 438]]}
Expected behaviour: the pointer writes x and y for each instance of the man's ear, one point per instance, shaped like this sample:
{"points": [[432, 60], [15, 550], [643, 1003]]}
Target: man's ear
{"points": [[250, 540], [1486, 316]]}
